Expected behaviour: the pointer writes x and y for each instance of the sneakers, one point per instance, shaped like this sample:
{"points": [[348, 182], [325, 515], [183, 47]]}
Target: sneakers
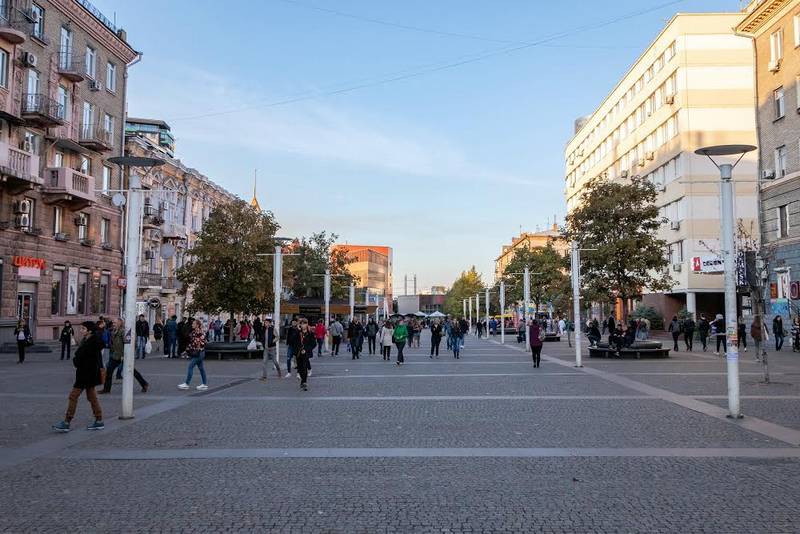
{"points": [[183, 386], [263, 379], [288, 375], [145, 388], [63, 426], [97, 425], [202, 387], [309, 372], [304, 387]]}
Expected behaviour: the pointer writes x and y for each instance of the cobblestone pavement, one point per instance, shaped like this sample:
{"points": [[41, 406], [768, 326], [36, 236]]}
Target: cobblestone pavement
{"points": [[482, 444]]}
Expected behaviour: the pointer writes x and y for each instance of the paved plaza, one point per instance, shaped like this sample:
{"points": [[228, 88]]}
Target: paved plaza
{"points": [[483, 444]]}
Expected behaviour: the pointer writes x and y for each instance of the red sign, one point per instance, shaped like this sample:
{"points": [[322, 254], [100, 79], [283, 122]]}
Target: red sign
{"points": [[697, 264], [29, 261], [122, 282], [773, 290], [794, 290]]}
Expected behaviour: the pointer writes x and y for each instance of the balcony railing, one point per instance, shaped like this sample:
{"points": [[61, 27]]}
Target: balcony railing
{"points": [[71, 65], [95, 137], [42, 109], [67, 182], [14, 27], [149, 279], [20, 168], [173, 230], [171, 283]]}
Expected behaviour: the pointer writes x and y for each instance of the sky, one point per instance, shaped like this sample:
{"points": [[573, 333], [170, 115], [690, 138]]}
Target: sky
{"points": [[435, 128]]}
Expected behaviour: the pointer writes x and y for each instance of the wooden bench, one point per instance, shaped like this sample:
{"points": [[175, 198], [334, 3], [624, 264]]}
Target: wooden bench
{"points": [[648, 349], [233, 350]]}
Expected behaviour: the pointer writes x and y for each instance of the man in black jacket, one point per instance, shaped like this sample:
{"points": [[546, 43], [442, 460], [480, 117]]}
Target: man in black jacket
{"points": [[303, 345], [291, 335], [436, 337], [142, 335], [87, 361], [270, 356]]}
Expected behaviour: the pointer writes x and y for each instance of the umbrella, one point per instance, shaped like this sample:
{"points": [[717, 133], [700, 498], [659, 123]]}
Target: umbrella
{"points": [[437, 315], [420, 314]]}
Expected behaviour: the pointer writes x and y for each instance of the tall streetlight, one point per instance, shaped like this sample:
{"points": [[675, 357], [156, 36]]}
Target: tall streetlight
{"points": [[728, 257], [277, 289], [526, 289], [464, 304], [469, 305], [502, 312], [576, 298], [486, 305], [477, 314], [133, 239]]}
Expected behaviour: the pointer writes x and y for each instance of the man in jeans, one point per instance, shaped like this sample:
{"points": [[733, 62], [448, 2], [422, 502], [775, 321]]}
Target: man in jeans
{"points": [[337, 330], [291, 333], [117, 354], [142, 335], [270, 355]]}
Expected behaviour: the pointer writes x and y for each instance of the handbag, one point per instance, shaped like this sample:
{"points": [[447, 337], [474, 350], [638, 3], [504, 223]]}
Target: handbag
{"points": [[72, 341], [252, 345], [148, 347]]}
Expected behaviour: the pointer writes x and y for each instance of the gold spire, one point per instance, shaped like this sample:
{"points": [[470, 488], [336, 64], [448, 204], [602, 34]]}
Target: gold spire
{"points": [[254, 202]]}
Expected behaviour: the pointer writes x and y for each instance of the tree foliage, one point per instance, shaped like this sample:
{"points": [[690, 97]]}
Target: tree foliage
{"points": [[620, 219], [549, 281], [315, 254], [223, 270], [467, 285]]}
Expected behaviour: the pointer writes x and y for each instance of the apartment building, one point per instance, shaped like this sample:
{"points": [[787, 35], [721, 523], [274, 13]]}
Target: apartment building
{"points": [[157, 131], [180, 201], [774, 27], [63, 72], [529, 240], [373, 267], [692, 87]]}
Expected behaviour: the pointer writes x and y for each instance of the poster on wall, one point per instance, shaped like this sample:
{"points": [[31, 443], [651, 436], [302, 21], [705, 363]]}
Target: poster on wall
{"points": [[72, 291]]}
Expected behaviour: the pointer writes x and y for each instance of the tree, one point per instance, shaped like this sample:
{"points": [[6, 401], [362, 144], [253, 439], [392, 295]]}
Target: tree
{"points": [[549, 281], [314, 255], [223, 271], [620, 220], [466, 286]]}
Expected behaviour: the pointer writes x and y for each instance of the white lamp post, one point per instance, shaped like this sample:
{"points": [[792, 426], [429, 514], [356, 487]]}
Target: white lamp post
{"points": [[728, 255], [576, 300], [502, 312], [526, 288]]}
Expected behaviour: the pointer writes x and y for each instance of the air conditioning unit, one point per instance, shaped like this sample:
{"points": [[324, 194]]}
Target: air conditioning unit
{"points": [[669, 99], [677, 267], [149, 255], [774, 66], [675, 225], [768, 174], [94, 85], [22, 206], [80, 220], [650, 155], [23, 221], [623, 174], [29, 59]]}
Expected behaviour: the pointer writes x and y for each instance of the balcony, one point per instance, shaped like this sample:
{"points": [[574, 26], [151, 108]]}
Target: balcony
{"points": [[149, 280], [95, 137], [66, 187], [170, 284], [14, 29], [173, 230], [41, 110], [71, 65], [18, 169]]}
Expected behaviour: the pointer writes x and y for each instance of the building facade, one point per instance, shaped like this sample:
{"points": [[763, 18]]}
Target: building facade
{"points": [[156, 131], [63, 76], [693, 87], [179, 201], [373, 267], [774, 27], [529, 240]]}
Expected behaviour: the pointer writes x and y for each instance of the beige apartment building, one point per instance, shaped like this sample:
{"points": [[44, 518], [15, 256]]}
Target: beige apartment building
{"points": [[529, 240], [774, 27], [692, 87]]}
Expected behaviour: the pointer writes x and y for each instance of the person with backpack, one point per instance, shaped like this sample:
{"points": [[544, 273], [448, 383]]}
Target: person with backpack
{"points": [[88, 361], [688, 333], [535, 335], [371, 331], [703, 328], [399, 337], [675, 328]]}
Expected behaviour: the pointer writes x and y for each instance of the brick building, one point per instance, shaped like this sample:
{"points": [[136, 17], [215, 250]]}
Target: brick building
{"points": [[63, 72], [774, 26]]}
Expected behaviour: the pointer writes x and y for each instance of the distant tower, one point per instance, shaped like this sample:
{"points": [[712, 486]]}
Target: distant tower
{"points": [[254, 202]]}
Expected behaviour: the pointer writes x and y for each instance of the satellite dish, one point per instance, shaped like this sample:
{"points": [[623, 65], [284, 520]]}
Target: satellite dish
{"points": [[118, 200], [167, 250]]}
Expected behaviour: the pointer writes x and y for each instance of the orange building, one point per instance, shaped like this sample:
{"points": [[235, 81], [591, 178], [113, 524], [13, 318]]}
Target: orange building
{"points": [[373, 267]]}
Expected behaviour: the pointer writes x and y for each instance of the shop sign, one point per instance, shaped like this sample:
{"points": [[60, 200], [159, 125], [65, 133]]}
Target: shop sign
{"points": [[773, 290], [122, 282], [708, 264], [29, 261], [154, 302], [794, 290]]}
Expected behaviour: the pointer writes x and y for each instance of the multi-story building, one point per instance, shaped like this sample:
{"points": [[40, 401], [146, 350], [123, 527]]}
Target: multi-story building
{"points": [[774, 26], [530, 241], [174, 212], [373, 267], [692, 87], [63, 76], [156, 131]]}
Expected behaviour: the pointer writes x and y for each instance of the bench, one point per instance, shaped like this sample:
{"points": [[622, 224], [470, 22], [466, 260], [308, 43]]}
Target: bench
{"points": [[234, 349], [648, 349]]}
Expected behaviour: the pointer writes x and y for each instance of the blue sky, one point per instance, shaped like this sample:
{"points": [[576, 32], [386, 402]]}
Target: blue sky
{"points": [[444, 166]]}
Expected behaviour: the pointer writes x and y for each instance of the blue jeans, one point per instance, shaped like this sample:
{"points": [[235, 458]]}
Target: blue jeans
{"points": [[141, 341], [196, 361], [171, 344], [320, 344]]}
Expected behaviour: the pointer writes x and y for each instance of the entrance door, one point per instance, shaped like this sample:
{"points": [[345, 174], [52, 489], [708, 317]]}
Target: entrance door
{"points": [[26, 308]]}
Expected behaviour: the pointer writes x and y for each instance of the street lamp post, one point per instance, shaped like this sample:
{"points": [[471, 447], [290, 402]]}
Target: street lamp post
{"points": [[132, 244], [576, 301], [486, 306], [502, 312], [277, 290], [728, 257], [477, 314], [526, 288], [327, 296], [352, 302], [469, 302], [464, 304]]}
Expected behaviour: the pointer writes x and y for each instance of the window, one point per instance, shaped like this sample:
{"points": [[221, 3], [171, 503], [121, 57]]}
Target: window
{"points": [[669, 53], [88, 116], [83, 228], [796, 21], [108, 124], [91, 62], [102, 300], [780, 161], [676, 252], [111, 77], [105, 231], [55, 292], [83, 288], [64, 111], [33, 89], [783, 221], [776, 47], [4, 69], [106, 179], [85, 165], [58, 159], [58, 215], [65, 54], [38, 16], [780, 107], [32, 142]]}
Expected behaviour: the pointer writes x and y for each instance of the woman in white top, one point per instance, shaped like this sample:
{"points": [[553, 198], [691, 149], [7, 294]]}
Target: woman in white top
{"points": [[387, 332], [23, 337]]}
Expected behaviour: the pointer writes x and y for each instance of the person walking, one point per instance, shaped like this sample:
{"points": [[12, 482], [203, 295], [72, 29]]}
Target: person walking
{"points": [[87, 362], [778, 331], [741, 331], [703, 327], [171, 337], [291, 334], [304, 344], [337, 330], [217, 329], [719, 329], [66, 337], [457, 334], [795, 332], [688, 333], [675, 328], [142, 335], [757, 331], [197, 353], [400, 336], [270, 350], [183, 335], [463, 327], [158, 337], [386, 339], [436, 337], [22, 335], [371, 331], [356, 334], [319, 335], [535, 335], [116, 359]]}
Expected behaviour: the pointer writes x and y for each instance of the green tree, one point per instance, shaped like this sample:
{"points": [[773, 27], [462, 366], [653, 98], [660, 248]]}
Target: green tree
{"points": [[223, 271], [549, 281], [314, 255], [620, 220], [467, 285]]}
